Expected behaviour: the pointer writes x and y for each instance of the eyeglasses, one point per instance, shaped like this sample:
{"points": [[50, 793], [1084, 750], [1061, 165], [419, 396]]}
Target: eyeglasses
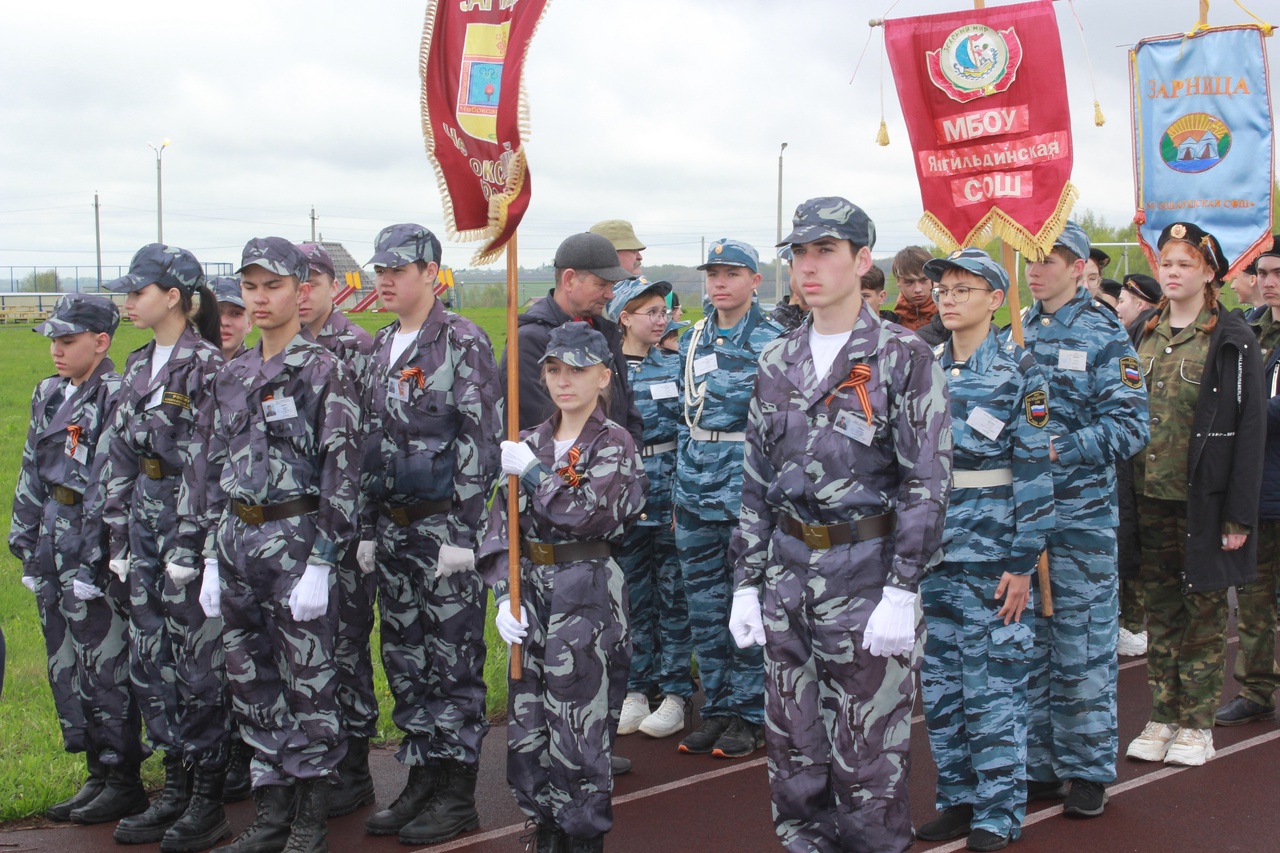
{"points": [[655, 315], [959, 294]]}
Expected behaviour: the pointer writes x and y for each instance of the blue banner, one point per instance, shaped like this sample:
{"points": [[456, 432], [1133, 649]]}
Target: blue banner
{"points": [[1202, 138]]}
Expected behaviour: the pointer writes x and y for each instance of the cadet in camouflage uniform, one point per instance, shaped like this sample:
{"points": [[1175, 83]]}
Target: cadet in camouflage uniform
{"points": [[235, 320], [85, 624], [323, 323], [715, 380], [661, 645], [176, 652], [583, 485], [837, 556], [977, 654], [1197, 486], [1097, 415], [277, 488], [430, 460]]}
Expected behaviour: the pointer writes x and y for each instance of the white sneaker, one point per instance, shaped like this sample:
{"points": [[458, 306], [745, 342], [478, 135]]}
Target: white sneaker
{"points": [[1153, 743], [634, 709], [1191, 747], [1131, 645], [668, 719]]}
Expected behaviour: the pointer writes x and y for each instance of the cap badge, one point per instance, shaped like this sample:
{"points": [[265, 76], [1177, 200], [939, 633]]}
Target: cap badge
{"points": [[1178, 231]]}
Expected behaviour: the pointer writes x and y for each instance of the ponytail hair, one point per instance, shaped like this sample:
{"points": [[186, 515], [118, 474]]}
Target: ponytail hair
{"points": [[204, 315]]}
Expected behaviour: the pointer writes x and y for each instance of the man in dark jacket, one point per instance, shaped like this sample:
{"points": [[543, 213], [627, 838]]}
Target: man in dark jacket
{"points": [[586, 270]]}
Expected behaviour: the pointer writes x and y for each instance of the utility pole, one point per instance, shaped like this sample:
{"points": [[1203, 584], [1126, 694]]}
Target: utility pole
{"points": [[159, 190], [702, 259], [777, 262], [313, 223], [97, 236]]}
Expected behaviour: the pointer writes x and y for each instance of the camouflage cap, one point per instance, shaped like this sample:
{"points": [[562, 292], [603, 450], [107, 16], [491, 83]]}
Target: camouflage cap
{"points": [[1074, 240], [1202, 241], [318, 259], [633, 288], [1144, 287], [732, 253], [971, 260], [165, 266], [674, 328], [275, 254], [831, 216], [591, 253], [226, 288], [620, 233], [81, 312], [400, 245], [578, 344]]}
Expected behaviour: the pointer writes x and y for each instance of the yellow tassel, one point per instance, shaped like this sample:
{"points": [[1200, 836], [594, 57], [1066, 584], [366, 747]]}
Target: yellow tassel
{"points": [[882, 137], [1098, 119]]}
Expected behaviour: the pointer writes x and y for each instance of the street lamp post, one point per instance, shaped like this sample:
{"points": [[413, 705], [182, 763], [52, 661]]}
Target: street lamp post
{"points": [[777, 262], [159, 191]]}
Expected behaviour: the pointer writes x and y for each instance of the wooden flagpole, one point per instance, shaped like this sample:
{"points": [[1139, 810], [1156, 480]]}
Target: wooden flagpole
{"points": [[513, 433]]}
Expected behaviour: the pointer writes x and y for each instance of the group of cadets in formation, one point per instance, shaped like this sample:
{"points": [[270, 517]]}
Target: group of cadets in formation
{"points": [[819, 505]]}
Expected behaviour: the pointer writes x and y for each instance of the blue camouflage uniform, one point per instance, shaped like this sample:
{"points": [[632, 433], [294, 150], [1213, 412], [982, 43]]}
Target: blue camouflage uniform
{"points": [[1097, 415]]}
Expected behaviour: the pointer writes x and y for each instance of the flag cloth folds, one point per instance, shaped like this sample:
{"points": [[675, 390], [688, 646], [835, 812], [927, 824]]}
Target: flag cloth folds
{"points": [[474, 115], [1202, 138], [984, 96]]}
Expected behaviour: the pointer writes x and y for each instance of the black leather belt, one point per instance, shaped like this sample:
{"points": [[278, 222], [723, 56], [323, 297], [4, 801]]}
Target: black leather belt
{"points": [[65, 496], [275, 512], [403, 516], [550, 553], [844, 533], [156, 468]]}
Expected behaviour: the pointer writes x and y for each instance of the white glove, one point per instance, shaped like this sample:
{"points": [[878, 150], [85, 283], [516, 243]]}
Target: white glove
{"points": [[310, 596], [453, 560], [85, 591], [211, 590], [517, 457], [180, 575], [746, 624], [891, 630], [364, 556], [120, 566], [511, 631], [29, 582]]}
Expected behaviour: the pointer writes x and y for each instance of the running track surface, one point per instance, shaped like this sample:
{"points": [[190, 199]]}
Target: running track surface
{"points": [[672, 802]]}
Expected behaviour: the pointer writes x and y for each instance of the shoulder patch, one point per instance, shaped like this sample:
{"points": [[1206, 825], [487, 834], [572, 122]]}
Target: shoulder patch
{"points": [[1037, 406], [1130, 372]]}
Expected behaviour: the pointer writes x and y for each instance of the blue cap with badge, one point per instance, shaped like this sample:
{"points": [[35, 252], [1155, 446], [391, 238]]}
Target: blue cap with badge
{"points": [[732, 253]]}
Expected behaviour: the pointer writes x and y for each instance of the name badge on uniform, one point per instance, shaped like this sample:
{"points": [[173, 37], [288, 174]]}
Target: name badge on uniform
{"points": [[664, 390], [156, 398], [985, 423], [706, 364], [847, 423], [398, 389], [279, 409], [77, 450], [1073, 359]]}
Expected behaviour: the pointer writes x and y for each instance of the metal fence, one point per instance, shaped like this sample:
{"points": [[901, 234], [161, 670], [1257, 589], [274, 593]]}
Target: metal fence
{"points": [[73, 279]]}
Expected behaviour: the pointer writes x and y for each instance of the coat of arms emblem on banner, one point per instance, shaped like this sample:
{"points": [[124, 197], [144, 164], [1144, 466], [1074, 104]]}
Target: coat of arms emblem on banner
{"points": [[975, 61], [480, 79]]}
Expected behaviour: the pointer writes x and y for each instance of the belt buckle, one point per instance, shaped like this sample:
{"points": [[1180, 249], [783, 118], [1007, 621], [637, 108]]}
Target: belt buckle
{"points": [[152, 468], [249, 514], [398, 515], [542, 553], [816, 536]]}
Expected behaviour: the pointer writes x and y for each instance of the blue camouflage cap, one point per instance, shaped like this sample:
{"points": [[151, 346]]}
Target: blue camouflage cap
{"points": [[732, 253], [400, 245], [1074, 240], [226, 288], [971, 260], [318, 259], [165, 266], [578, 344], [831, 216], [675, 327], [633, 288], [81, 312], [277, 255]]}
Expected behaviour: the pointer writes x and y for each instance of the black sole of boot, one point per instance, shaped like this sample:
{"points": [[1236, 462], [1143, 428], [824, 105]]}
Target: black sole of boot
{"points": [[202, 842], [466, 826]]}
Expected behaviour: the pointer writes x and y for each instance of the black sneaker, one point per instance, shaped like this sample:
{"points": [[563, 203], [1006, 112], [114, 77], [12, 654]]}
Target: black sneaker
{"points": [[1087, 799], [739, 740], [985, 839], [951, 822], [704, 738], [1045, 790], [1241, 710]]}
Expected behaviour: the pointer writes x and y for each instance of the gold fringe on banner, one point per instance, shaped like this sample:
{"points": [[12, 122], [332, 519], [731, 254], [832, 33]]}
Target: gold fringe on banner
{"points": [[998, 224]]}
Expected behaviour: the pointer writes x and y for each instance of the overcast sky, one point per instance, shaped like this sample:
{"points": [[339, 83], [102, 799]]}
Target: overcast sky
{"points": [[666, 113]]}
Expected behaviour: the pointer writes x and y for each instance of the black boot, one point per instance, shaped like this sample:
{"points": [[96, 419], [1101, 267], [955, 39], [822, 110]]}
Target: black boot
{"points": [[238, 781], [310, 832], [204, 823], [451, 811], [585, 845], [545, 838], [152, 824], [91, 788], [356, 788], [424, 780], [269, 832], [122, 795]]}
